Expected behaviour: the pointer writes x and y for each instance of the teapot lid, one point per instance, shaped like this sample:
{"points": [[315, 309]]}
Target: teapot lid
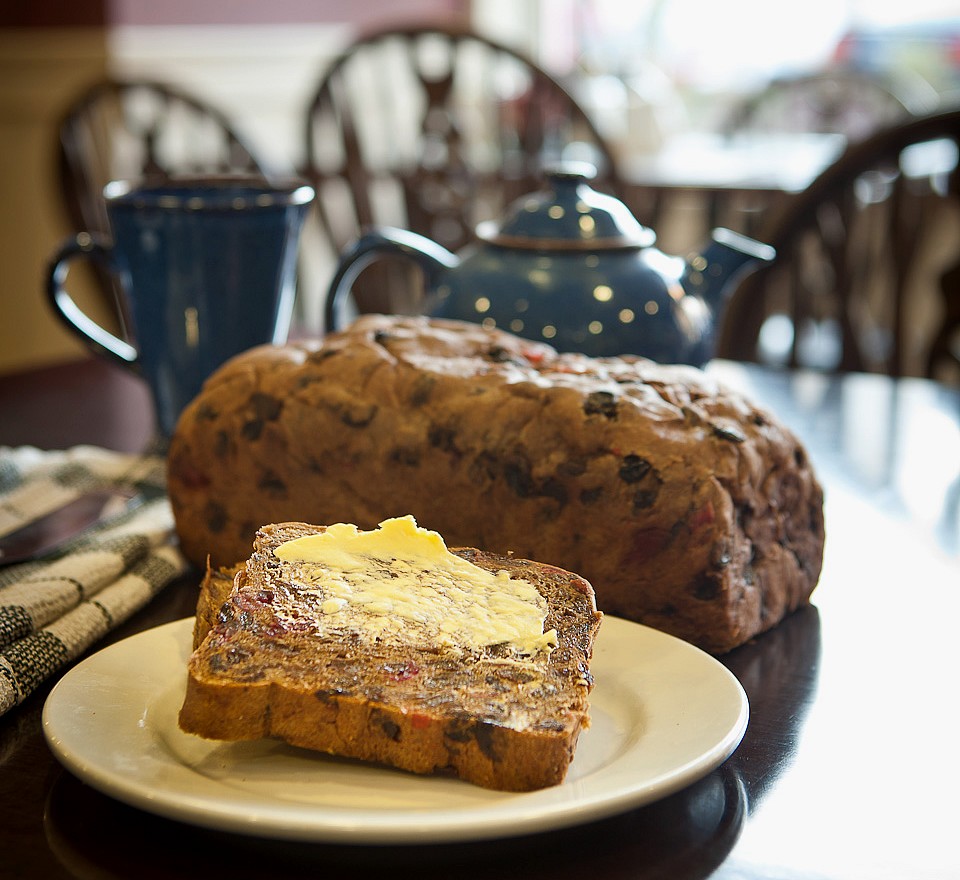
{"points": [[568, 214]]}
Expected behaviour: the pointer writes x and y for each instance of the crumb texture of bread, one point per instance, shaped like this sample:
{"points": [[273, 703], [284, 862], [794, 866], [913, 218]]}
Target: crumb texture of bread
{"points": [[688, 508], [498, 721]]}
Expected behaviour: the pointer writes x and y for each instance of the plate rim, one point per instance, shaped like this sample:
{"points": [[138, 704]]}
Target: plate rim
{"points": [[507, 814]]}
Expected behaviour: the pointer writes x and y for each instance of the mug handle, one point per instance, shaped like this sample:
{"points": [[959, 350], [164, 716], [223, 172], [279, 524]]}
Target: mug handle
{"points": [[100, 341]]}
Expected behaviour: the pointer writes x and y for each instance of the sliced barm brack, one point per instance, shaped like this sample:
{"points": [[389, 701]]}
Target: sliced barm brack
{"points": [[398, 651]]}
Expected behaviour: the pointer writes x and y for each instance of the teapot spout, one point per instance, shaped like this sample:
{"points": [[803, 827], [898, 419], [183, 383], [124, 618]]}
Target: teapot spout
{"points": [[724, 262]]}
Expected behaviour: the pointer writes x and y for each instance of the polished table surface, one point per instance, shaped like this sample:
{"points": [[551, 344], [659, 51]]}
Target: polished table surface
{"points": [[849, 767]]}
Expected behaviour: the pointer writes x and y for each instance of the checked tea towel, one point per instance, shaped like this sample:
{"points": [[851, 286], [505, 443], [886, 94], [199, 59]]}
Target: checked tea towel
{"points": [[53, 609]]}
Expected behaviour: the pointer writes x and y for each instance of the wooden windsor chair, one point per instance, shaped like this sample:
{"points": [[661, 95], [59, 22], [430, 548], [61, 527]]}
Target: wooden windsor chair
{"points": [[138, 129], [434, 130], [867, 273]]}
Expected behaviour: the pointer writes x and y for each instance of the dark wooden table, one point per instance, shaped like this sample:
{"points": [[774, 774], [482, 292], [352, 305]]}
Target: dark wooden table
{"points": [[849, 767]]}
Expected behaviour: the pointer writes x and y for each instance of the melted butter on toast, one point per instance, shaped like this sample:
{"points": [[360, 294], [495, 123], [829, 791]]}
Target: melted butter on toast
{"points": [[400, 581]]}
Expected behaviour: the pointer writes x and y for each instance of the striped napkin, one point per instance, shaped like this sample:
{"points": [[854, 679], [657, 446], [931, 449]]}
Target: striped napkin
{"points": [[53, 609]]}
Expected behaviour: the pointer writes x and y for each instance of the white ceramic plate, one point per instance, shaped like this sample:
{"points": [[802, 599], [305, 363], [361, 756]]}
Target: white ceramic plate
{"points": [[664, 714]]}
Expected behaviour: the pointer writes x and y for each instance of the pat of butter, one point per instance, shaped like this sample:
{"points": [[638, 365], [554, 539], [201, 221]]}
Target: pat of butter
{"points": [[400, 580]]}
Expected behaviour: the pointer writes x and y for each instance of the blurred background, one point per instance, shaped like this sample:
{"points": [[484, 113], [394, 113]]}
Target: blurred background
{"points": [[663, 81]]}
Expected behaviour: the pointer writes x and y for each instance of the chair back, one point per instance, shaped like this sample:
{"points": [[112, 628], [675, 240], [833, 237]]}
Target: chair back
{"points": [[434, 130], [139, 129], [831, 101], [867, 273]]}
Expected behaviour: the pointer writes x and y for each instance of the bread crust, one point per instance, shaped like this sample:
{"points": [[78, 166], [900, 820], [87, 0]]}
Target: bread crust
{"points": [[687, 507], [498, 723], [215, 589]]}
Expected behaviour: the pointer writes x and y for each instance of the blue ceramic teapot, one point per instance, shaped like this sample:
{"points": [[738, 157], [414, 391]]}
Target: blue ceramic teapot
{"points": [[572, 267]]}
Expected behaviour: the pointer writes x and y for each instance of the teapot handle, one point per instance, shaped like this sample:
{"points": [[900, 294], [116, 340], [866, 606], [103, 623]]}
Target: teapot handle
{"points": [[433, 258]]}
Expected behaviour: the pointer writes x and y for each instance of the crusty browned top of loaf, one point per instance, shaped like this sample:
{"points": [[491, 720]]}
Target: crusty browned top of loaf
{"points": [[686, 506], [491, 718]]}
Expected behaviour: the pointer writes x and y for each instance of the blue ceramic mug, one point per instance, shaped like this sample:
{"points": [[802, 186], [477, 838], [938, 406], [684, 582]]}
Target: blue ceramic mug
{"points": [[206, 268]]}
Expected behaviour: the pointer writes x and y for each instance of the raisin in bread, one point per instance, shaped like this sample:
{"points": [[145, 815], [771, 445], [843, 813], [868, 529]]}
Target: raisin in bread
{"points": [[687, 507], [279, 662]]}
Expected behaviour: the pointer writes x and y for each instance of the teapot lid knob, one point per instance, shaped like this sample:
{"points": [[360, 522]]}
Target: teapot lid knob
{"points": [[568, 214]]}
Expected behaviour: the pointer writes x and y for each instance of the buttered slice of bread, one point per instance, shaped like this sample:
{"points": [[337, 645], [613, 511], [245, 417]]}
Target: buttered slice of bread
{"points": [[385, 646]]}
